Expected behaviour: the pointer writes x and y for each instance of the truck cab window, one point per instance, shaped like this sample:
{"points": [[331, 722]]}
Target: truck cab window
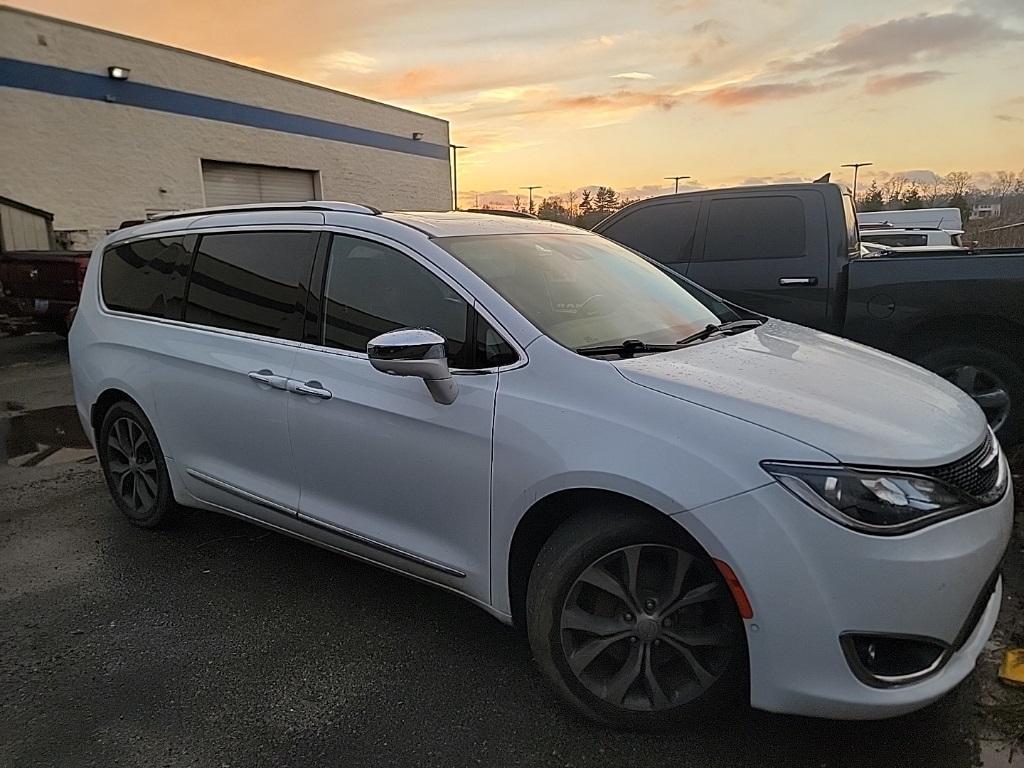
{"points": [[756, 227], [663, 231]]}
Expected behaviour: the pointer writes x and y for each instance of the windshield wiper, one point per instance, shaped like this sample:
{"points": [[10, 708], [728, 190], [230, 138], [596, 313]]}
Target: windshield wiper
{"points": [[710, 330], [626, 348]]}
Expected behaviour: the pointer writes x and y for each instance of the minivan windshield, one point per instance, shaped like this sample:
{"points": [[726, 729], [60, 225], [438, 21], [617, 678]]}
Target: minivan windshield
{"points": [[585, 291]]}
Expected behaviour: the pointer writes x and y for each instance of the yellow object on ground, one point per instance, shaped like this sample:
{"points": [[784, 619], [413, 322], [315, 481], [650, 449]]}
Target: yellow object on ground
{"points": [[1012, 668]]}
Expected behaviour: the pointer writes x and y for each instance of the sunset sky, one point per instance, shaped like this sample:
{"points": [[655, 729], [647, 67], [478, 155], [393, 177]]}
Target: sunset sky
{"points": [[567, 93]]}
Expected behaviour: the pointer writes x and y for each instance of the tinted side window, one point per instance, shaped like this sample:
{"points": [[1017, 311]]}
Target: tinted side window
{"points": [[751, 227], [252, 281], [899, 241], [491, 349], [663, 231], [147, 277], [372, 289]]}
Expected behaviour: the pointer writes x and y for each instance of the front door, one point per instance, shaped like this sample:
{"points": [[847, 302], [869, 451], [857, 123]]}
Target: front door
{"points": [[768, 252], [405, 480]]}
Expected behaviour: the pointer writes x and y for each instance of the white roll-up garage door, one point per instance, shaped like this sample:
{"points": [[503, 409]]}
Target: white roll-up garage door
{"points": [[236, 183]]}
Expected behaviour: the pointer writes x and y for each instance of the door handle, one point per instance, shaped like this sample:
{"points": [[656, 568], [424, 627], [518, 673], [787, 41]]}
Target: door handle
{"points": [[311, 388], [265, 376], [798, 281]]}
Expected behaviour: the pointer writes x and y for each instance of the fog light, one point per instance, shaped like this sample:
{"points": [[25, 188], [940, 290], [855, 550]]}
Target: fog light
{"points": [[118, 73], [887, 660]]}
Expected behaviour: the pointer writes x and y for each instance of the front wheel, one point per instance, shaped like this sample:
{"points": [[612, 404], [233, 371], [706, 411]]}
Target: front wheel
{"points": [[633, 624], [994, 380]]}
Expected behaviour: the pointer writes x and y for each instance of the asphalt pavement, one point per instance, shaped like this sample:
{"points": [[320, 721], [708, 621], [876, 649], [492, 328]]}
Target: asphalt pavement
{"points": [[217, 643]]}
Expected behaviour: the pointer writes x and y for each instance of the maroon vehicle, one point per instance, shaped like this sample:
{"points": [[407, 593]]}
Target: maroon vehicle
{"points": [[39, 284]]}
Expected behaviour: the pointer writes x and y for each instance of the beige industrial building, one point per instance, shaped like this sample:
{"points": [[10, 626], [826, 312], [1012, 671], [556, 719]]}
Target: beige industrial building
{"points": [[100, 128]]}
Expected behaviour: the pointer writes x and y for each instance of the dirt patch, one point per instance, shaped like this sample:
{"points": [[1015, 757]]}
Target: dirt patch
{"points": [[1001, 706]]}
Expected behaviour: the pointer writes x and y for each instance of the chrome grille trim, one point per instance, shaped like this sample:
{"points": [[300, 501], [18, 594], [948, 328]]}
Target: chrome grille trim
{"points": [[976, 474]]}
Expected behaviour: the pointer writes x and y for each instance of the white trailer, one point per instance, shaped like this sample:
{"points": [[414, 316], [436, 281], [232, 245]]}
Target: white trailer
{"points": [[921, 218]]}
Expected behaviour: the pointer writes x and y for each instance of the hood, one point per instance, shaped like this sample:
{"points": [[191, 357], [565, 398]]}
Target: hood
{"points": [[857, 404]]}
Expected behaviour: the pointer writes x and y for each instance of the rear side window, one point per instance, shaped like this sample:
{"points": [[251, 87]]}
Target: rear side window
{"points": [[752, 227], [147, 277], [372, 289], [252, 281], [663, 231], [899, 241]]}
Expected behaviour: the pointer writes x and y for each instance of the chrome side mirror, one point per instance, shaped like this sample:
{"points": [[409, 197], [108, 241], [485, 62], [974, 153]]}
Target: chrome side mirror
{"points": [[415, 352]]}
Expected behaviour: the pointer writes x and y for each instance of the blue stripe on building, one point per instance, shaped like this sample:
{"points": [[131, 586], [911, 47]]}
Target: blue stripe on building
{"points": [[82, 85]]}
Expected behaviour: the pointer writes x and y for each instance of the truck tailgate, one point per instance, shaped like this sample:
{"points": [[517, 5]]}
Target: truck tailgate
{"points": [[42, 275]]}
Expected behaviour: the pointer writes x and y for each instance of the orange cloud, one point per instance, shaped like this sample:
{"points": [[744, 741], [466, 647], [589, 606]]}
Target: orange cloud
{"points": [[615, 100], [728, 96], [882, 86]]}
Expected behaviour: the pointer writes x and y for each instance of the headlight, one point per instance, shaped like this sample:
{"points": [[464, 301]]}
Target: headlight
{"points": [[879, 502]]}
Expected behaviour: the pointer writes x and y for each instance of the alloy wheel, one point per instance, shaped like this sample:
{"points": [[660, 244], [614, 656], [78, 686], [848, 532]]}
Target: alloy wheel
{"points": [[647, 628], [985, 388], [132, 465]]}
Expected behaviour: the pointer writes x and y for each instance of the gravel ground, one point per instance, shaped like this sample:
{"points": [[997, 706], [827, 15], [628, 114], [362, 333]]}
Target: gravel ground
{"points": [[217, 643]]}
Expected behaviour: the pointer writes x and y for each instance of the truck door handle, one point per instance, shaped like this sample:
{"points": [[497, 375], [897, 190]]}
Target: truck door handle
{"points": [[311, 388], [798, 281], [266, 376]]}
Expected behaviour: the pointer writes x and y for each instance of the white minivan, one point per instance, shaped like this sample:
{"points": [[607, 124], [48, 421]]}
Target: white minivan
{"points": [[683, 503]]}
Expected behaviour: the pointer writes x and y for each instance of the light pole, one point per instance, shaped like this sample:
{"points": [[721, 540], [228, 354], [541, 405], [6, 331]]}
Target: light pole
{"points": [[531, 188], [676, 179], [455, 174], [856, 167]]}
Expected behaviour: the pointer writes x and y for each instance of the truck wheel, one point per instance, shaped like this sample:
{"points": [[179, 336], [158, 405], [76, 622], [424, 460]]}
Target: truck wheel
{"points": [[633, 624], [993, 379]]}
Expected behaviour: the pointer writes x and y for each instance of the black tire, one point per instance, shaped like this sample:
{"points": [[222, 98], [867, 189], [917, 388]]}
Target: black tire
{"points": [[995, 371], [134, 467], [599, 540]]}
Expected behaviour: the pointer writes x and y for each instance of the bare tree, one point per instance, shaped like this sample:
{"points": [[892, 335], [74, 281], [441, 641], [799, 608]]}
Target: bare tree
{"points": [[892, 191], [957, 183], [1005, 181], [934, 191], [571, 204]]}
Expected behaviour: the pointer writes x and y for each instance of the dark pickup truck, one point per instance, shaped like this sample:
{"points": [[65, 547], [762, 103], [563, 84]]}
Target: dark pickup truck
{"points": [[39, 285], [792, 251], [42, 285]]}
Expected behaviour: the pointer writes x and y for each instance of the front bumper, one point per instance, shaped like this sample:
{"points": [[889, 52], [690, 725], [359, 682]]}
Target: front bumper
{"points": [[811, 580]]}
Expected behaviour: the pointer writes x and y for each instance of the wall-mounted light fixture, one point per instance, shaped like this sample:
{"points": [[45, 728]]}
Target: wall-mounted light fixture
{"points": [[417, 136], [118, 73]]}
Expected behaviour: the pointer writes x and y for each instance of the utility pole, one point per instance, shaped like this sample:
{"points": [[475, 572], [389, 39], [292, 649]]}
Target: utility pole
{"points": [[856, 167], [531, 188], [676, 179], [455, 174]]}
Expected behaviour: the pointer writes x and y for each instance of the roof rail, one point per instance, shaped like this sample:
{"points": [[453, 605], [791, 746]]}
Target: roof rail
{"points": [[308, 205]]}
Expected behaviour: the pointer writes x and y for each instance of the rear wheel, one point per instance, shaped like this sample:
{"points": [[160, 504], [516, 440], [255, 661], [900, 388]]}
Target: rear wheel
{"points": [[994, 381], [134, 466], [633, 623]]}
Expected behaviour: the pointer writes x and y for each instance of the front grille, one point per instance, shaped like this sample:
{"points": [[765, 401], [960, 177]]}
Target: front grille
{"points": [[976, 473]]}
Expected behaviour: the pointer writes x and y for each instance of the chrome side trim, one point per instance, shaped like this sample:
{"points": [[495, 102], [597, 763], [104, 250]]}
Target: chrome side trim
{"points": [[242, 494], [381, 546], [307, 205], [329, 527], [502, 617]]}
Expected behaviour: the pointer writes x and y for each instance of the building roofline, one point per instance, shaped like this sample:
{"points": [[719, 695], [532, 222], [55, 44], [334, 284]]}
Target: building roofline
{"points": [[214, 59], [26, 207]]}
